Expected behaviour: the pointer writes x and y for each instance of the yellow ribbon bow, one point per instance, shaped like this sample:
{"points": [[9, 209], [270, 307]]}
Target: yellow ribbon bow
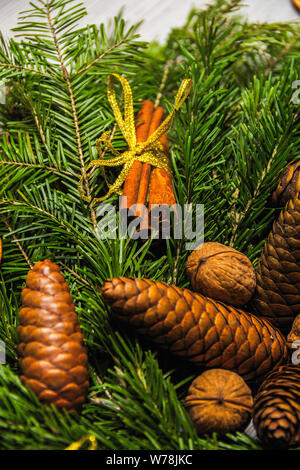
{"points": [[77, 445], [151, 151]]}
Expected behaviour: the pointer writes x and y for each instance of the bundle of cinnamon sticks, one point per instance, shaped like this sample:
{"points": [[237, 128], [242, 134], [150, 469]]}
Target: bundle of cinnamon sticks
{"points": [[145, 185]]}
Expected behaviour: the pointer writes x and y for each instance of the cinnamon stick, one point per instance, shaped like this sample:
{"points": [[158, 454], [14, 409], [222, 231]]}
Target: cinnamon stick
{"points": [[161, 187], [161, 192], [143, 181], [146, 167], [132, 182]]}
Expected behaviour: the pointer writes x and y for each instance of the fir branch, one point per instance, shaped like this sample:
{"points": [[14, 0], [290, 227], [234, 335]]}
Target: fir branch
{"points": [[38, 123], [24, 69], [280, 56], [98, 59], [238, 217], [71, 271], [17, 242], [35, 165], [163, 82], [35, 209], [74, 111], [230, 140]]}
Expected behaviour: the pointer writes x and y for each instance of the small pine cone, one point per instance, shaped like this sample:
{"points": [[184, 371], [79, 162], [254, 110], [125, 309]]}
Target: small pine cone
{"points": [[219, 401], [53, 357], [289, 184], [202, 330], [277, 295], [222, 273], [276, 413]]}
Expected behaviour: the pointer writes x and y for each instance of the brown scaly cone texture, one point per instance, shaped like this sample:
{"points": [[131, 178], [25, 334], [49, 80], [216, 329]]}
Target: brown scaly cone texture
{"points": [[219, 401], [208, 333], [277, 295], [289, 184], [222, 273], [276, 413], [52, 355]]}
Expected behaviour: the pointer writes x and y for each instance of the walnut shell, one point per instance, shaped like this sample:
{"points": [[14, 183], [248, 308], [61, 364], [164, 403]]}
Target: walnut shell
{"points": [[222, 273], [219, 401]]}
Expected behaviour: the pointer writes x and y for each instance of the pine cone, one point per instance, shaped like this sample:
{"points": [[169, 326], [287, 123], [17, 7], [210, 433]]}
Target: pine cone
{"points": [[276, 413], [206, 332], [53, 358], [277, 294], [289, 184]]}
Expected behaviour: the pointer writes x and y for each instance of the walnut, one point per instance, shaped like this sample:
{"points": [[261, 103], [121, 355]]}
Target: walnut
{"points": [[219, 401], [222, 273]]}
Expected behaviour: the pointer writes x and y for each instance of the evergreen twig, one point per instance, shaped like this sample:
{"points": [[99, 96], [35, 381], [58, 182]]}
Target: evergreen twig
{"points": [[73, 105], [17, 242], [232, 137]]}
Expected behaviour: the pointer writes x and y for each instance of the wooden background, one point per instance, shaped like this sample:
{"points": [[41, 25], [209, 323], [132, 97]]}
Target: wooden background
{"points": [[159, 15]]}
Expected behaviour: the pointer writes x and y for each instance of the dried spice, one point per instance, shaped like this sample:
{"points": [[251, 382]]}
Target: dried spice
{"points": [[146, 185], [289, 184], [204, 331], [133, 179], [152, 151], [222, 273], [52, 355], [219, 401], [277, 295], [276, 413]]}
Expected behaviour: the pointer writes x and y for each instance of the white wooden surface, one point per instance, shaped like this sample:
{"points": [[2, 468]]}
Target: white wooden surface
{"points": [[159, 15]]}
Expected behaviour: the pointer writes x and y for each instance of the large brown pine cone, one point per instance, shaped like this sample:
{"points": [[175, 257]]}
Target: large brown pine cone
{"points": [[277, 295], [276, 413], [202, 330], [53, 358]]}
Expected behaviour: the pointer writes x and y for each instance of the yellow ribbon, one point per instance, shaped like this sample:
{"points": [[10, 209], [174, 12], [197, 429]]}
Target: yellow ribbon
{"points": [[76, 445], [151, 151]]}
